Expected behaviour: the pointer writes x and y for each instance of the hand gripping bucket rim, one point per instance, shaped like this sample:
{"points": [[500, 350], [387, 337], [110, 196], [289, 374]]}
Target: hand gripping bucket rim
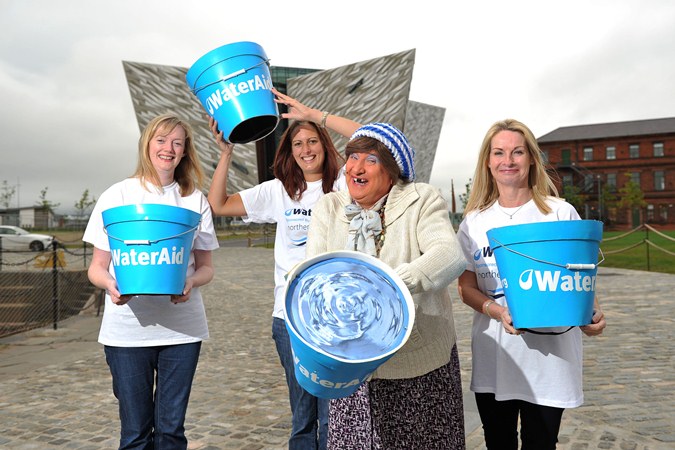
{"points": [[314, 367], [548, 271], [233, 84], [150, 246]]}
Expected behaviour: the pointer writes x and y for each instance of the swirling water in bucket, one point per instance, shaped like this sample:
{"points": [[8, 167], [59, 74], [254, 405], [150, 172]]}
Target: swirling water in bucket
{"points": [[349, 311]]}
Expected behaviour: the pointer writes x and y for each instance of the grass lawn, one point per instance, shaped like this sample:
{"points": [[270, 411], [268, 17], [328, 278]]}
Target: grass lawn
{"points": [[641, 256]]}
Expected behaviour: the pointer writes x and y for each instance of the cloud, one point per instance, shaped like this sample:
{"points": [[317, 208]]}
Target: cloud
{"points": [[68, 122]]}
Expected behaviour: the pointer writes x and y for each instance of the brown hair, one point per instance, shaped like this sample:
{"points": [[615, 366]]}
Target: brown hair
{"points": [[365, 144], [286, 169]]}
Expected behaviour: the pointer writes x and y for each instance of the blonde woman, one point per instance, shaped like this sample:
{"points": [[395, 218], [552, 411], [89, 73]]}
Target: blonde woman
{"points": [[152, 343], [516, 377]]}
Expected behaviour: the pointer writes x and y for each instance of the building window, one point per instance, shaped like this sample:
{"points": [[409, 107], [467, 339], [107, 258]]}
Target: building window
{"points": [[611, 181], [650, 213], [635, 177], [610, 152], [663, 212], [659, 180], [588, 153], [658, 149], [567, 181], [565, 157], [634, 151], [544, 156]]}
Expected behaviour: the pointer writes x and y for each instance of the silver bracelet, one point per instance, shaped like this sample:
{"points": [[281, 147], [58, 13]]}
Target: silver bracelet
{"points": [[324, 116]]}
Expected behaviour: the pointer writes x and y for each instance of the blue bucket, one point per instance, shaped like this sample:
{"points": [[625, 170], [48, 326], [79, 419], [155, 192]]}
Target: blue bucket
{"points": [[346, 314], [548, 271], [233, 83], [150, 246]]}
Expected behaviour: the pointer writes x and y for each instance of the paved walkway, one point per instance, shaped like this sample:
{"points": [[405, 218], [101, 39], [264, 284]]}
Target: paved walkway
{"points": [[55, 389]]}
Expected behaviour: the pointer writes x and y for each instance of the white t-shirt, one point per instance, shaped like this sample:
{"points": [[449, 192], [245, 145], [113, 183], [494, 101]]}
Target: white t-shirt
{"points": [[540, 369], [268, 202], [152, 320]]}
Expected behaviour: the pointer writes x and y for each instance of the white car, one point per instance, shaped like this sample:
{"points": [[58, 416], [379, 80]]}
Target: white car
{"points": [[15, 238]]}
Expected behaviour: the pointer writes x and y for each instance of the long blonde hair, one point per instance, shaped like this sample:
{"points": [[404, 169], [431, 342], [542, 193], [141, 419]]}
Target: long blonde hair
{"points": [[484, 190], [188, 174]]}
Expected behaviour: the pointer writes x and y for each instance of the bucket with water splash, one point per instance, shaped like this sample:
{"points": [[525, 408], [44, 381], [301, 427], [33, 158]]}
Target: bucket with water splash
{"points": [[548, 271], [346, 313], [233, 83], [150, 246]]}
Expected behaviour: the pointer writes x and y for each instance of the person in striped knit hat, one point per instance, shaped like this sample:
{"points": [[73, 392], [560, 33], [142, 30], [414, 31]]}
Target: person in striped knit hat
{"points": [[413, 400]]}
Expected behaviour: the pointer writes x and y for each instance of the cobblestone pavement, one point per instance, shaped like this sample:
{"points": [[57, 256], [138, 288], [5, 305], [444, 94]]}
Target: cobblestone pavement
{"points": [[55, 388]]}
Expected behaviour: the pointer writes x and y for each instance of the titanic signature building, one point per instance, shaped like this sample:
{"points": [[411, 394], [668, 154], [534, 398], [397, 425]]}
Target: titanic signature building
{"points": [[375, 90]]}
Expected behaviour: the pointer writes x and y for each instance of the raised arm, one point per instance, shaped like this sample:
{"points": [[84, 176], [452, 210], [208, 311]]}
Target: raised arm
{"points": [[221, 203], [298, 111]]}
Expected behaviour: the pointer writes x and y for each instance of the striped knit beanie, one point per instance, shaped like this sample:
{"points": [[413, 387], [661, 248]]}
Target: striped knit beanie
{"points": [[395, 141]]}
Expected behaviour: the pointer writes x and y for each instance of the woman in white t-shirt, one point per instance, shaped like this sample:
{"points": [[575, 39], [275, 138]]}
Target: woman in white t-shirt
{"points": [[306, 166], [516, 376], [152, 342]]}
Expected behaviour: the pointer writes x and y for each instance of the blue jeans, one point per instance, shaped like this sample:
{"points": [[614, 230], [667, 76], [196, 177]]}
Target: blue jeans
{"points": [[152, 386], [310, 414]]}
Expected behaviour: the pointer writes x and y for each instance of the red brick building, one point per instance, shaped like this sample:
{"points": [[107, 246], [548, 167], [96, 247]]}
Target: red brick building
{"points": [[598, 160]]}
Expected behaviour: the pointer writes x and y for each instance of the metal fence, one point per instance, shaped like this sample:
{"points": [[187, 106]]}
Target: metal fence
{"points": [[39, 289], [647, 242]]}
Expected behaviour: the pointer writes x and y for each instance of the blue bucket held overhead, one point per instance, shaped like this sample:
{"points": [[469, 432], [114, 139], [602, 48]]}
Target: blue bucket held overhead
{"points": [[150, 245], [346, 313], [233, 83], [548, 271]]}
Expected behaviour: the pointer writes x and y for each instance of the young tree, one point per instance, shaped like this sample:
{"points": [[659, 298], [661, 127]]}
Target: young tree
{"points": [[6, 194], [464, 198], [48, 204], [84, 204], [572, 195], [631, 196], [608, 199]]}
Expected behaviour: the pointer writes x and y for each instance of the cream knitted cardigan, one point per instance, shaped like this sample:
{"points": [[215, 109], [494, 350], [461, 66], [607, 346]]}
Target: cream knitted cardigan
{"points": [[420, 244]]}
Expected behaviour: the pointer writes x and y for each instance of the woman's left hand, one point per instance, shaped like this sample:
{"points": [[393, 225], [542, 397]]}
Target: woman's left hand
{"points": [[597, 324], [186, 292]]}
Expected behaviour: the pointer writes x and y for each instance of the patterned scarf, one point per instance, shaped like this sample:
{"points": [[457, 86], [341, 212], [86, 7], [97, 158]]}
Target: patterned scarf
{"points": [[364, 227]]}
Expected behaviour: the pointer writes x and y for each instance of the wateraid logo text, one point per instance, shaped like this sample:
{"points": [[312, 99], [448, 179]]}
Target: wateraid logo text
{"points": [[314, 378], [134, 258], [232, 90], [484, 252], [547, 281]]}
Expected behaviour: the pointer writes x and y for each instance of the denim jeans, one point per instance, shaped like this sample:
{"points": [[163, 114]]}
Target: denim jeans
{"points": [[152, 416], [309, 413]]}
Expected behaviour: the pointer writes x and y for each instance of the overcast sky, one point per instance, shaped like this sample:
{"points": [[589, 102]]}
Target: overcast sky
{"points": [[68, 123]]}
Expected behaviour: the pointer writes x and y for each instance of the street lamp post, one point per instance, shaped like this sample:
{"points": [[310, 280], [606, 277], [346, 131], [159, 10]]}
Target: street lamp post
{"points": [[599, 196]]}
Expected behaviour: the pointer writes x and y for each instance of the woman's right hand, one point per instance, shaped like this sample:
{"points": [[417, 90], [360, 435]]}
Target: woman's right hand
{"points": [[507, 321], [115, 295], [224, 145]]}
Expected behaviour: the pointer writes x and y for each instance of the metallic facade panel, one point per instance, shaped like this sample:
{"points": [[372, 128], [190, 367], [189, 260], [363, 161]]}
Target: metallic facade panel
{"points": [[423, 125], [157, 89], [375, 90]]}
